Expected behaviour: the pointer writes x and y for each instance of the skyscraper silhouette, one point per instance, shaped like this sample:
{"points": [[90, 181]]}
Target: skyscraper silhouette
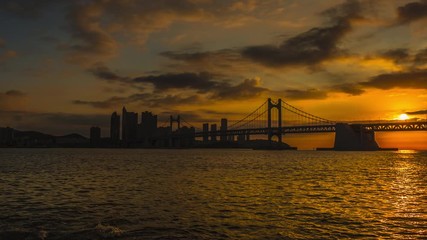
{"points": [[115, 128], [129, 126], [148, 127], [213, 132]]}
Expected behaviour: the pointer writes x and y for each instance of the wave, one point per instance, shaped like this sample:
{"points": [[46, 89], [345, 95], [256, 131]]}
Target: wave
{"points": [[108, 231]]}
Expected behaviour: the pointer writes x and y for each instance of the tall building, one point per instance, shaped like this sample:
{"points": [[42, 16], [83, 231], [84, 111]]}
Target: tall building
{"points": [[186, 139], [213, 132], [115, 128], [6, 136], [205, 132], [95, 135], [148, 126], [124, 113], [129, 126]]}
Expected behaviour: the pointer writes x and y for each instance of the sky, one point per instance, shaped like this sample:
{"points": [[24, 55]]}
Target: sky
{"points": [[67, 65]]}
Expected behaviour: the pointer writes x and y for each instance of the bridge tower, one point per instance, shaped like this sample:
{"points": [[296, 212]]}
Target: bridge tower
{"points": [[177, 120], [276, 131]]}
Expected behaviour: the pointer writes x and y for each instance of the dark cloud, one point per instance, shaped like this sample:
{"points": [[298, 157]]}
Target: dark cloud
{"points": [[308, 48], [144, 99], [249, 88], [111, 102], [199, 81], [202, 86], [295, 94], [398, 55], [215, 112], [188, 57], [105, 73], [194, 57], [353, 89], [223, 61], [98, 104], [14, 93], [209, 86], [416, 79], [419, 112], [2, 43], [203, 83], [174, 100], [105, 104], [12, 99], [10, 95], [421, 57], [311, 47], [405, 57], [96, 25], [412, 11]]}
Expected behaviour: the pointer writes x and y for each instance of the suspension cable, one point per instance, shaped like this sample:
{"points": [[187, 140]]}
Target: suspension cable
{"points": [[247, 116], [305, 114]]}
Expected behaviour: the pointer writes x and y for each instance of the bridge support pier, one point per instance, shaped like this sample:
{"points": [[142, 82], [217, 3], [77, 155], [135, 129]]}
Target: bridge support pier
{"points": [[354, 138]]}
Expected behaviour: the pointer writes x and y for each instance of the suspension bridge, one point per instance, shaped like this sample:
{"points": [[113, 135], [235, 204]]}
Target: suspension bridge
{"points": [[274, 119]]}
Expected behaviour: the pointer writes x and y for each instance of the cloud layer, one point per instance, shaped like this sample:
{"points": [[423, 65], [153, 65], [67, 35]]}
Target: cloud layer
{"points": [[412, 11], [310, 47], [412, 80]]}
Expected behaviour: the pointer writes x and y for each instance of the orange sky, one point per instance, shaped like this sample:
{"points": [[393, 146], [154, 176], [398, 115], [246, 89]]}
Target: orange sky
{"points": [[67, 65]]}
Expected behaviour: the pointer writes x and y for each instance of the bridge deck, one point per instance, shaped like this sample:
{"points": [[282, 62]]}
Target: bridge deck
{"points": [[378, 127]]}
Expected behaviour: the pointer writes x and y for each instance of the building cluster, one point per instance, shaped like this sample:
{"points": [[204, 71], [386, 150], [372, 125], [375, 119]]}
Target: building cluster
{"points": [[126, 131], [6, 136], [213, 134]]}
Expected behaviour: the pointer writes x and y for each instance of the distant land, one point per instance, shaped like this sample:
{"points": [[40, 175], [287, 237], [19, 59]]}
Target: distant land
{"points": [[10, 137]]}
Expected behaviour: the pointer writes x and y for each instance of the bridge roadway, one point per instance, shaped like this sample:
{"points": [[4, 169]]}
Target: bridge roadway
{"points": [[376, 126]]}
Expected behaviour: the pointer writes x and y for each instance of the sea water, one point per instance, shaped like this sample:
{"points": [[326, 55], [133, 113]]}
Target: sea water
{"points": [[211, 194]]}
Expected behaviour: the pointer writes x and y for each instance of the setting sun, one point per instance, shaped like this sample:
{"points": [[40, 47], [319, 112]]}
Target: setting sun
{"points": [[403, 116]]}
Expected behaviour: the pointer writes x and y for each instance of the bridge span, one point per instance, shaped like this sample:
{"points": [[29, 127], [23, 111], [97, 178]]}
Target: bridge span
{"points": [[278, 118], [377, 127]]}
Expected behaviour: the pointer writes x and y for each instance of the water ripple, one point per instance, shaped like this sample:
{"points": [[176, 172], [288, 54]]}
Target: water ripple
{"points": [[211, 194]]}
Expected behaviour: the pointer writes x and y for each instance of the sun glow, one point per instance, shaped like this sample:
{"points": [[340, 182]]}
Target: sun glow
{"points": [[403, 117]]}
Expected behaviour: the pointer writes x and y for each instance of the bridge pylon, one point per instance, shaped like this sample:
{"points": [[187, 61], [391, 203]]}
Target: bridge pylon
{"points": [[276, 131]]}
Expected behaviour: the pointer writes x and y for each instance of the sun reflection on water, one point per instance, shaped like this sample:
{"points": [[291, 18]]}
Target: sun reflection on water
{"points": [[408, 191], [407, 151]]}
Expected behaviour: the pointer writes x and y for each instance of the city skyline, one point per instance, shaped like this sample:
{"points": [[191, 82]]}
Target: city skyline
{"points": [[66, 66]]}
